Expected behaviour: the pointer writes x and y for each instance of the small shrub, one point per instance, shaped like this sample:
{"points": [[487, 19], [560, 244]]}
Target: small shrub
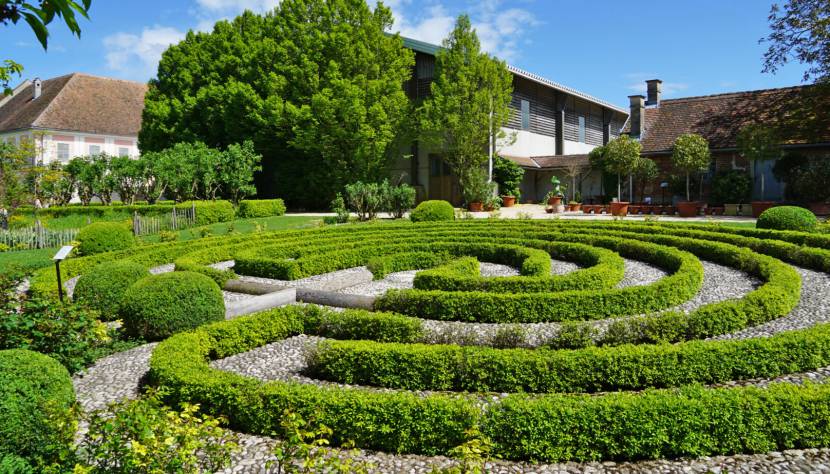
{"points": [[509, 337], [205, 232], [210, 212], [168, 236], [338, 207], [732, 187], [159, 306], [367, 199], [261, 208], [787, 218], [401, 199], [4, 248], [101, 237], [103, 288], [433, 211], [146, 436], [573, 335], [36, 396]]}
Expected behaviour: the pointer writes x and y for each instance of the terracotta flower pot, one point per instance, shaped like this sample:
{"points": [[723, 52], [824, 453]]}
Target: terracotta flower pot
{"points": [[619, 208], [820, 208], [758, 207], [508, 201], [475, 206], [688, 208], [550, 209], [555, 201], [574, 207]]}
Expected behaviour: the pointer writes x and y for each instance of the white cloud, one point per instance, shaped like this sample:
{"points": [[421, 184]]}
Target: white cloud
{"points": [[138, 55], [238, 6]]}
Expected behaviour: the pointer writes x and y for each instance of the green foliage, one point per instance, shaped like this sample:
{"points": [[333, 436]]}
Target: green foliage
{"points": [[806, 178], [558, 187], [367, 199], [36, 397], [475, 186], [620, 156], [731, 187], [468, 105], [358, 324], [144, 436], [332, 63], [160, 305], [787, 218], [261, 208], [435, 210], [473, 453], [645, 171], [14, 159], [401, 199], [690, 154], [509, 176], [103, 288], [100, 237], [12, 464], [338, 207]]}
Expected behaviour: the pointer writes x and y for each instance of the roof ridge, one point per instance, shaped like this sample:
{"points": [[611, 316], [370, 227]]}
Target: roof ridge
{"points": [[55, 98], [117, 79], [735, 93]]}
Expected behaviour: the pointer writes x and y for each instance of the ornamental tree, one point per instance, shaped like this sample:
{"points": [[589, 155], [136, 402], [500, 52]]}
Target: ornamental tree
{"points": [[469, 103], [619, 156], [690, 154]]}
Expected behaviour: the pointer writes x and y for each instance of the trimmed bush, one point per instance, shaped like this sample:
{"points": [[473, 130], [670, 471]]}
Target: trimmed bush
{"points": [[433, 211], [103, 288], [159, 306], [210, 212], [787, 218], [100, 237], [261, 208], [36, 395]]}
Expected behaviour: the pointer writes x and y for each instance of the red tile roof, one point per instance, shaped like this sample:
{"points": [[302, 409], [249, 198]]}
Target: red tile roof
{"points": [[719, 118], [78, 102]]}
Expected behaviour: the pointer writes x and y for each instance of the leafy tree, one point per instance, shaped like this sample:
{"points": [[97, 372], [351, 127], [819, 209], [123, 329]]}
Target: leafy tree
{"points": [[126, 173], [645, 171], [800, 32], [38, 15], [619, 156], [509, 176], [470, 97], [690, 154], [82, 172], [14, 159], [315, 84], [104, 183], [236, 170], [758, 142]]}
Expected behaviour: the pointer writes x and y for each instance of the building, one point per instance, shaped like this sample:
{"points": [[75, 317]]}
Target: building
{"points": [[719, 118], [74, 115], [554, 127]]}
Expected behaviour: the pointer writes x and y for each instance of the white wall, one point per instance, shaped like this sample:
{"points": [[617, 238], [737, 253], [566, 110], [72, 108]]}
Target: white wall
{"points": [[527, 144], [577, 148], [48, 145]]}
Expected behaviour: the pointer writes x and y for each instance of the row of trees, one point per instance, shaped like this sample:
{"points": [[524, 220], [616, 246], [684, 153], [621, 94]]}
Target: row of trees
{"points": [[184, 171]]}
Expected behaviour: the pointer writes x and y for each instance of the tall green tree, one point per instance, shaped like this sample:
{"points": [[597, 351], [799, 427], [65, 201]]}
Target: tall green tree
{"points": [[38, 15], [620, 156], [14, 162], [236, 170], [317, 85], [469, 102], [690, 154]]}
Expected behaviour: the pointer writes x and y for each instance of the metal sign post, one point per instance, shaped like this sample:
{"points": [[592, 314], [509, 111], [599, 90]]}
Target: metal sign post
{"points": [[58, 258]]}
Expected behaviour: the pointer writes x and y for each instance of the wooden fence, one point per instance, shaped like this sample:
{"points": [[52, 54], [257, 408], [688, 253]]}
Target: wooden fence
{"points": [[176, 220], [36, 237]]}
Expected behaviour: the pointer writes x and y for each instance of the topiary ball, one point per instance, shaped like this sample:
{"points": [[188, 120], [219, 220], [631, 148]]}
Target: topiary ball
{"points": [[433, 211], [101, 237], [787, 218], [103, 288], [159, 306], [36, 397]]}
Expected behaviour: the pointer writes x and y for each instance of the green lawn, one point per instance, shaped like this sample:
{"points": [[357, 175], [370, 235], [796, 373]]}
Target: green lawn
{"points": [[244, 226], [27, 259]]}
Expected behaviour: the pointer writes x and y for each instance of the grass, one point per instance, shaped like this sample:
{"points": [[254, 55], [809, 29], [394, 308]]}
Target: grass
{"points": [[26, 259], [244, 226]]}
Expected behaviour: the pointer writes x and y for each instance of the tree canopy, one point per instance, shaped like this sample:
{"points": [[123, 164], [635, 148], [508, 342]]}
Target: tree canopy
{"points": [[619, 156], [317, 85], [690, 154]]}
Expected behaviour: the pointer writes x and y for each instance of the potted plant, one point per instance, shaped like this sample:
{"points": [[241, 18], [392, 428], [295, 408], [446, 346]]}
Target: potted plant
{"points": [[492, 203], [690, 154], [759, 143], [731, 189], [554, 197], [475, 189], [576, 203], [509, 177], [620, 157]]}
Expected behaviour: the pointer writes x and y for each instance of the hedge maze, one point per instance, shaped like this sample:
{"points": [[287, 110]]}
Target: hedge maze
{"points": [[627, 375]]}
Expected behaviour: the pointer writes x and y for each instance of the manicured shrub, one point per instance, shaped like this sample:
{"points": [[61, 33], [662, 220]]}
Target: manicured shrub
{"points": [[787, 218], [401, 199], [209, 212], [101, 237], [36, 395], [103, 288], [261, 208], [159, 306], [433, 211]]}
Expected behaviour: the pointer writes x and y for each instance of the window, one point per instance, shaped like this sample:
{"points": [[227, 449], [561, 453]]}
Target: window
{"points": [[581, 129], [94, 149], [122, 151], [525, 115], [63, 152]]}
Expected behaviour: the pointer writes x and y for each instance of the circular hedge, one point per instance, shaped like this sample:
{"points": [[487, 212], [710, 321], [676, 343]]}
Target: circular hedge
{"points": [[102, 237], [103, 288], [433, 211], [159, 306], [35, 397], [787, 218]]}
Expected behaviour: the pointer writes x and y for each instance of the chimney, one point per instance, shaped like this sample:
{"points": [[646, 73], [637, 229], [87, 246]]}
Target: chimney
{"points": [[36, 85], [637, 118], [655, 89]]}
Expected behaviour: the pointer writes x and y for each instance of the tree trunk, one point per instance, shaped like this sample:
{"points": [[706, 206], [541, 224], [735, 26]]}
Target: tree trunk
{"points": [[688, 192]]}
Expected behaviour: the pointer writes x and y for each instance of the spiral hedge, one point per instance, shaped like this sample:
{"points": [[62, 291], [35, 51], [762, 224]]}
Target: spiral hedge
{"points": [[645, 388]]}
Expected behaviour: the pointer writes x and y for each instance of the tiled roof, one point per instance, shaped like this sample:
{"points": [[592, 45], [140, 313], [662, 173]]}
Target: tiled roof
{"points": [[432, 49], [718, 118], [554, 162], [77, 102]]}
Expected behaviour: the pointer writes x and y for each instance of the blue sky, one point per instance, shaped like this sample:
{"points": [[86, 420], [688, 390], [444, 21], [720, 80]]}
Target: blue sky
{"points": [[605, 48]]}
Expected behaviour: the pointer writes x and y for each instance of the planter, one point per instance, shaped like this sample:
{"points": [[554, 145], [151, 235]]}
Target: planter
{"points": [[475, 206], [688, 208], [820, 208], [574, 207], [634, 209], [555, 201], [758, 207], [619, 208], [549, 209], [588, 208], [508, 201], [731, 209], [489, 208]]}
